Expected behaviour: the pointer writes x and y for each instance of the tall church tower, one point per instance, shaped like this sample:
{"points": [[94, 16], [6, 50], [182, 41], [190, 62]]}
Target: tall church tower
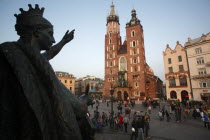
{"points": [[112, 43], [136, 55], [126, 70]]}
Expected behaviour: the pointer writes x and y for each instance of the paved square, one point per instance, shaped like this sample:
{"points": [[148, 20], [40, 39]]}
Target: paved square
{"points": [[159, 130]]}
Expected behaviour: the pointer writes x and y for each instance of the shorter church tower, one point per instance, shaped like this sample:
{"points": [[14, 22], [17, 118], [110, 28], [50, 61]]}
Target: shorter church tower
{"points": [[136, 55]]}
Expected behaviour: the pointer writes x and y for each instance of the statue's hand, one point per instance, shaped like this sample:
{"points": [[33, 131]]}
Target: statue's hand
{"points": [[68, 36]]}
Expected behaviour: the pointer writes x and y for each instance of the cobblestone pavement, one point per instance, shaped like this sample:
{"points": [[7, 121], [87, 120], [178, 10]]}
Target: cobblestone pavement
{"points": [[159, 130]]}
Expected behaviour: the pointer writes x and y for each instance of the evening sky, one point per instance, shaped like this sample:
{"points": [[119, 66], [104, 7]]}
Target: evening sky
{"points": [[164, 22]]}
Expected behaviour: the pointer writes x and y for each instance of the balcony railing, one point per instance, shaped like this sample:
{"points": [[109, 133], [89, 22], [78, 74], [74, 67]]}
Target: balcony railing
{"points": [[202, 76]]}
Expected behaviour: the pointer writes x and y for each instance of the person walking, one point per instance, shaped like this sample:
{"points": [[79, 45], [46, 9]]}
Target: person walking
{"points": [[146, 126], [128, 111], [120, 122], [146, 116], [134, 129], [167, 116], [134, 115], [140, 123], [126, 122], [194, 113], [163, 113], [149, 109], [176, 114], [160, 115], [206, 120], [107, 103], [179, 113], [104, 119]]}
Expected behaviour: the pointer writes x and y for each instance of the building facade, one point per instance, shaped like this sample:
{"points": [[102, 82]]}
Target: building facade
{"points": [[178, 85], [126, 70], [67, 79], [198, 54], [95, 85]]}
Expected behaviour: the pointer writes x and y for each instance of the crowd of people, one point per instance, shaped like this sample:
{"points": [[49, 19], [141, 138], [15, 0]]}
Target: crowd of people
{"points": [[122, 119], [139, 121], [182, 111]]}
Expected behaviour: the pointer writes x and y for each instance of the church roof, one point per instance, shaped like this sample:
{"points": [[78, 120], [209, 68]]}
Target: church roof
{"points": [[123, 48]]}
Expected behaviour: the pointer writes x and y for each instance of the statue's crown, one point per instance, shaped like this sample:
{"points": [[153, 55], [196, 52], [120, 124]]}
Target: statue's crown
{"points": [[30, 13]]}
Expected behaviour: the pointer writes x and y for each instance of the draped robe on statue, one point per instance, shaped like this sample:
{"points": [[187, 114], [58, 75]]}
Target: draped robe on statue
{"points": [[34, 104]]}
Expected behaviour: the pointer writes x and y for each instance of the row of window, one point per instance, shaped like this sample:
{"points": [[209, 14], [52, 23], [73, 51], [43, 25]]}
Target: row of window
{"points": [[199, 60], [134, 51], [110, 56], [110, 48], [111, 79], [179, 59], [198, 50], [135, 69], [65, 75], [204, 84], [66, 81], [201, 71], [110, 64], [134, 60], [182, 81], [181, 68], [132, 33]]}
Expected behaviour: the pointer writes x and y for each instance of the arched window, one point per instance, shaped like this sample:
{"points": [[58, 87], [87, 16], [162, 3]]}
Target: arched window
{"points": [[183, 80], [134, 51], [110, 48], [134, 43], [136, 84], [132, 33], [110, 41], [123, 64], [134, 60], [110, 55], [173, 95], [110, 63]]}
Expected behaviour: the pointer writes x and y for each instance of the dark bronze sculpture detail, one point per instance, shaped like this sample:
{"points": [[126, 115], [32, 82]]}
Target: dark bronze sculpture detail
{"points": [[34, 104]]}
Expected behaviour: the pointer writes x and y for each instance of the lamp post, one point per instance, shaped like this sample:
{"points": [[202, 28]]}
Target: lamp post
{"points": [[112, 112]]}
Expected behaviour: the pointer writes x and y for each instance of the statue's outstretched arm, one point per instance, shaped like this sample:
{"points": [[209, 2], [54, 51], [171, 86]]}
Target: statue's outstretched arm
{"points": [[54, 50]]}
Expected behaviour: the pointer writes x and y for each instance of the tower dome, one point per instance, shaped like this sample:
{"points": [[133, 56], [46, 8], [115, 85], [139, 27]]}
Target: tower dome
{"points": [[112, 16]]}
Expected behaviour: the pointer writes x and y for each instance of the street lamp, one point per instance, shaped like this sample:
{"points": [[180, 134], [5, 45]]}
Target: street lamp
{"points": [[112, 112]]}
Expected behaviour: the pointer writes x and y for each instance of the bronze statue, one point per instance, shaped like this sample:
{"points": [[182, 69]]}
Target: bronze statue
{"points": [[34, 104]]}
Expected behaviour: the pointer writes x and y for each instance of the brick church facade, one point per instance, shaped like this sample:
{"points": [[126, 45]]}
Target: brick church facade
{"points": [[126, 70]]}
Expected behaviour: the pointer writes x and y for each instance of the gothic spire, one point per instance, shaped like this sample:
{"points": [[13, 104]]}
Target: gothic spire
{"points": [[112, 16], [112, 12]]}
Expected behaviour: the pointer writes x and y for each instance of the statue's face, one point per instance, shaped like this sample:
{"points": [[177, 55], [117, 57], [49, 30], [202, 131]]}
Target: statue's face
{"points": [[45, 38]]}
